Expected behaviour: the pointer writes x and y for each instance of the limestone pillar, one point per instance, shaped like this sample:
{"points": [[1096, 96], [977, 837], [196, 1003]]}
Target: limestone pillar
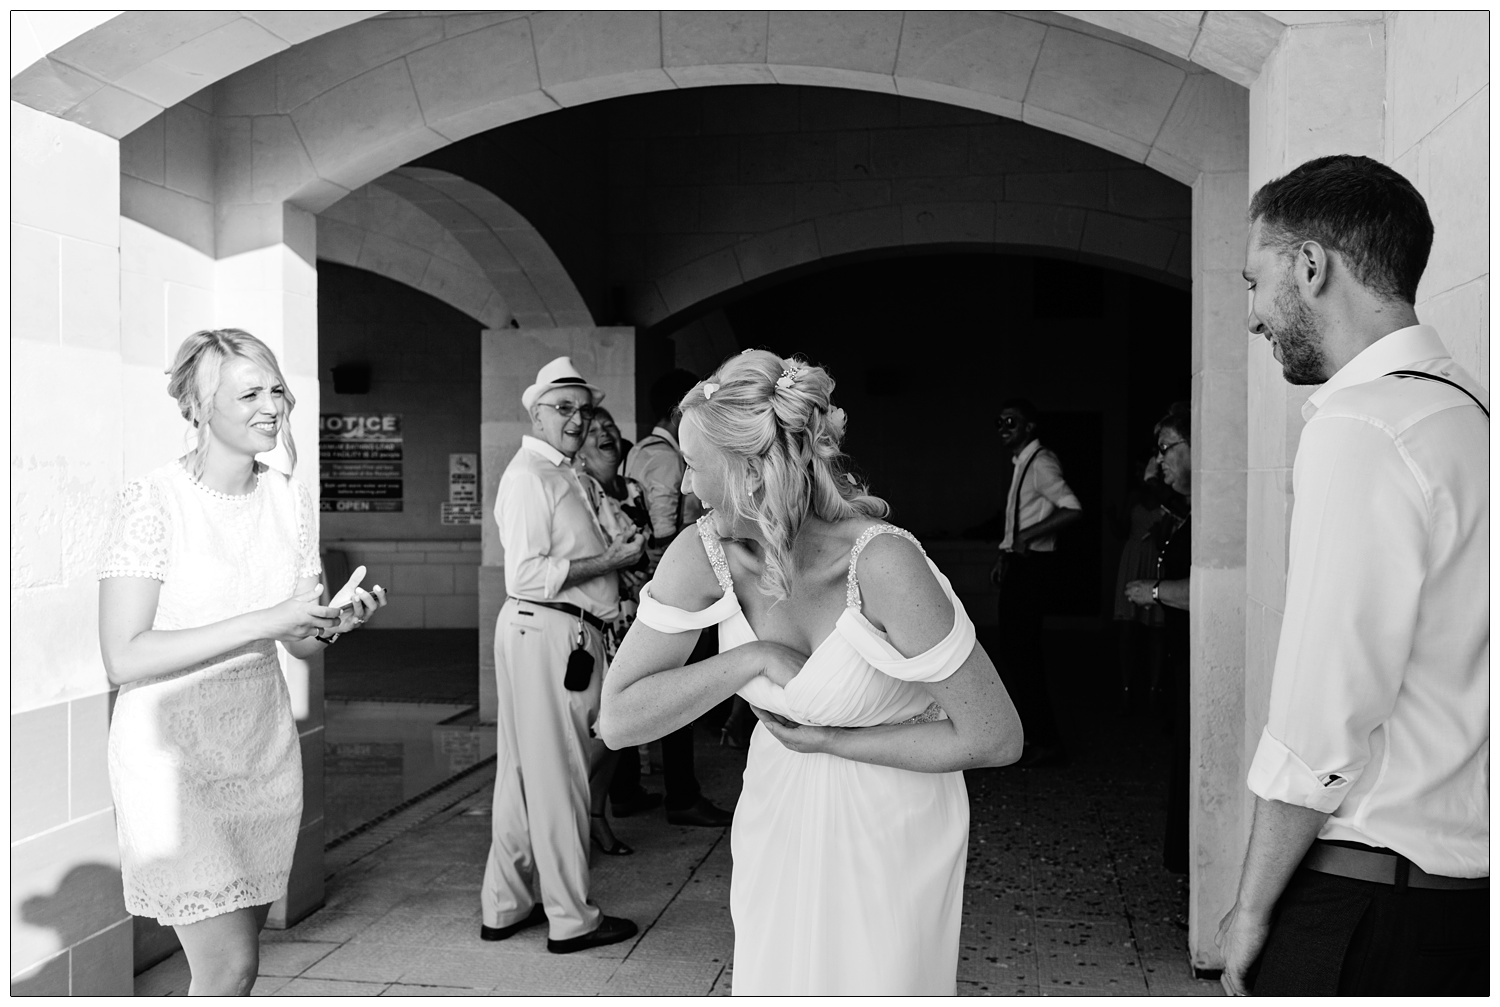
{"points": [[1215, 776], [1320, 92], [509, 360]]}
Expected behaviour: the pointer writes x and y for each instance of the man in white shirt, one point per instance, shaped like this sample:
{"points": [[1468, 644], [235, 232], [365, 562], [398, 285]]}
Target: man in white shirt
{"points": [[549, 668], [1367, 869], [1038, 505]]}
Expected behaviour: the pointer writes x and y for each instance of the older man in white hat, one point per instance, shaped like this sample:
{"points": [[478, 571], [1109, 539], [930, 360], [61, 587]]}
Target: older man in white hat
{"points": [[549, 665]]}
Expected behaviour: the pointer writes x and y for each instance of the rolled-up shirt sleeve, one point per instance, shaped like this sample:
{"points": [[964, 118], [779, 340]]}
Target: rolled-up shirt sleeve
{"points": [[1358, 541], [523, 511], [1050, 483]]}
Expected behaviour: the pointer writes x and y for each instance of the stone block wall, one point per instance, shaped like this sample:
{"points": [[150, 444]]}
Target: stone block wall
{"points": [[1437, 134], [70, 933], [430, 584]]}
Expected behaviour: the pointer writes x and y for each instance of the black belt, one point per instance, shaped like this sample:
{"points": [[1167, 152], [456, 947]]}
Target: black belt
{"points": [[562, 606], [1381, 867]]}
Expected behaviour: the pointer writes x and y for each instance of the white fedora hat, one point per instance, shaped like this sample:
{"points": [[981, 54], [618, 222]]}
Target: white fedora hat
{"points": [[560, 373]]}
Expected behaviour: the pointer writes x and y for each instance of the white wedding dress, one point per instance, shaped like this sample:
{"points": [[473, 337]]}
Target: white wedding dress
{"points": [[848, 877], [204, 763]]}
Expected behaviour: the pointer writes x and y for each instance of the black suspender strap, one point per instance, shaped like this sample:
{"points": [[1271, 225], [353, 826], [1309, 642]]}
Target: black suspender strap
{"points": [[1438, 377], [1015, 521]]}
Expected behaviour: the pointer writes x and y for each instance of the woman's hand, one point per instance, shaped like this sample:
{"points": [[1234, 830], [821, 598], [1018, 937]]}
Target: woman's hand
{"points": [[1138, 592], [779, 662], [366, 604], [801, 738], [299, 617]]}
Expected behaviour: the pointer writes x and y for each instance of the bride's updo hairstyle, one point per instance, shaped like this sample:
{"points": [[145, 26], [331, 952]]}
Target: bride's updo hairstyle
{"points": [[194, 381], [776, 418]]}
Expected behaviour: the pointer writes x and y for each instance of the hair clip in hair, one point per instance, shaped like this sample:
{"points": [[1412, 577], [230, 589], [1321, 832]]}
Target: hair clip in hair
{"points": [[708, 390], [788, 376]]}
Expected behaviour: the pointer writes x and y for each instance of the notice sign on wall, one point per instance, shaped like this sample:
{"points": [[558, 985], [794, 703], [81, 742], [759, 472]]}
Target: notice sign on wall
{"points": [[462, 507], [360, 457]]}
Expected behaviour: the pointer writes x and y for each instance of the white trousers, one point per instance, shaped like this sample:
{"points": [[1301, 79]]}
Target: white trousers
{"points": [[547, 751]]}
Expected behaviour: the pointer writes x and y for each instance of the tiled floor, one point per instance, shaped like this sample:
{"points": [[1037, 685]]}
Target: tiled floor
{"points": [[1064, 895]]}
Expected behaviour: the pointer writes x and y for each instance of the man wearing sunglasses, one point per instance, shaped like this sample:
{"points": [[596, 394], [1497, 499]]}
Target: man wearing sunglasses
{"points": [[549, 667], [1038, 505]]}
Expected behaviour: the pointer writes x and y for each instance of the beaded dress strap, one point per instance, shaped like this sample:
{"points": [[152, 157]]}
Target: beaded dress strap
{"points": [[715, 550], [852, 597]]}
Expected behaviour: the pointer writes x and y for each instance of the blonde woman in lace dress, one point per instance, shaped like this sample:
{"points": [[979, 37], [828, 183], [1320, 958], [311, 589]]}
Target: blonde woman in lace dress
{"points": [[851, 832], [213, 561]]}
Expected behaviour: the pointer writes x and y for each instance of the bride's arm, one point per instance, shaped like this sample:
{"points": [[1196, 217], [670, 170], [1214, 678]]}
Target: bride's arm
{"points": [[648, 692], [982, 729]]}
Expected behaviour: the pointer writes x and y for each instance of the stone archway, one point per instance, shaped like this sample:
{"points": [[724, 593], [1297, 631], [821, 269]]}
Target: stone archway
{"points": [[319, 107], [454, 240]]}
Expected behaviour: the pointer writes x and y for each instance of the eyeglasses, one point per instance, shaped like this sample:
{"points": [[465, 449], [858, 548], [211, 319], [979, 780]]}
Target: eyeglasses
{"points": [[1009, 421], [567, 410], [1162, 449]]}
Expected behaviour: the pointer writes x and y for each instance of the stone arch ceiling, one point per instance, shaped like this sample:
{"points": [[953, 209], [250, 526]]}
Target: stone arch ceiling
{"points": [[453, 239], [324, 103]]}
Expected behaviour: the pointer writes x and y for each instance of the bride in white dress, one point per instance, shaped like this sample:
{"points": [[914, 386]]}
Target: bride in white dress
{"points": [[851, 832], [213, 559]]}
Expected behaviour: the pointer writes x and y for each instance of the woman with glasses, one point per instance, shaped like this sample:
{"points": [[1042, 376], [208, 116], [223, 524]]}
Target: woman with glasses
{"points": [[620, 505], [851, 833], [1169, 589]]}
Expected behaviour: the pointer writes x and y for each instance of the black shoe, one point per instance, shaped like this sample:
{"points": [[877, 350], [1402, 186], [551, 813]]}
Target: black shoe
{"points": [[702, 813], [538, 915], [645, 800], [611, 930]]}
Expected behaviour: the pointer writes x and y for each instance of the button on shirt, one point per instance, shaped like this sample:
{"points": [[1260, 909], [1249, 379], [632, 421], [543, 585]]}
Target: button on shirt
{"points": [[546, 523], [1379, 709], [1041, 492]]}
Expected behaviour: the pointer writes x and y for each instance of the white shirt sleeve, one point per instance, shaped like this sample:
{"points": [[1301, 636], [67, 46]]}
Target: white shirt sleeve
{"points": [[1358, 544], [524, 514], [1047, 473]]}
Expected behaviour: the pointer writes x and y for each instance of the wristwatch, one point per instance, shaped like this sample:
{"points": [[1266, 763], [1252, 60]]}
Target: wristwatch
{"points": [[329, 640], [1155, 595]]}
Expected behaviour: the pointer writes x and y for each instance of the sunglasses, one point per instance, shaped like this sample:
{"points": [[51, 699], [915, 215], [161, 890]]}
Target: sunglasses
{"points": [[1005, 422], [1162, 449]]}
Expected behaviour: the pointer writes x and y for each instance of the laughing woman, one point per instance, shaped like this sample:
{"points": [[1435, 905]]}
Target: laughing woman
{"points": [[850, 835], [212, 561]]}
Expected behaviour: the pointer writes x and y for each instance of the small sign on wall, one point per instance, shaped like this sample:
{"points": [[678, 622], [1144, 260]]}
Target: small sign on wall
{"points": [[360, 455], [463, 478], [462, 507], [460, 513]]}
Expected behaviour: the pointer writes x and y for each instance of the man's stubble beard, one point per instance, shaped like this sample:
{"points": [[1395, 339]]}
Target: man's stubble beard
{"points": [[1302, 358]]}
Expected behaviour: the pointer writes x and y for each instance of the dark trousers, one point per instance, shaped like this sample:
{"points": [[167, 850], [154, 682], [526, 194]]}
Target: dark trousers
{"points": [[1332, 935], [1025, 594], [676, 769], [678, 776]]}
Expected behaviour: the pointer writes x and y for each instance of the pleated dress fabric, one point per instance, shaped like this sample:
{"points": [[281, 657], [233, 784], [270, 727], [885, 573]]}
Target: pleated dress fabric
{"points": [[848, 877]]}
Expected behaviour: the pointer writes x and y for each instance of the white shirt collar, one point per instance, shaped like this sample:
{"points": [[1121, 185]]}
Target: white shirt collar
{"points": [[666, 435], [1390, 352], [544, 449], [1031, 447]]}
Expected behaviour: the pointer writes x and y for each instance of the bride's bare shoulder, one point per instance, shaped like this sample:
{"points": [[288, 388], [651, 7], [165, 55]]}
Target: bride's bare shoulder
{"points": [[685, 578]]}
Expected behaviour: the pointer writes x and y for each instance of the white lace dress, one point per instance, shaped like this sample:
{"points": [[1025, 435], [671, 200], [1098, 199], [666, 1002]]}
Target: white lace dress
{"points": [[848, 877], [204, 763]]}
